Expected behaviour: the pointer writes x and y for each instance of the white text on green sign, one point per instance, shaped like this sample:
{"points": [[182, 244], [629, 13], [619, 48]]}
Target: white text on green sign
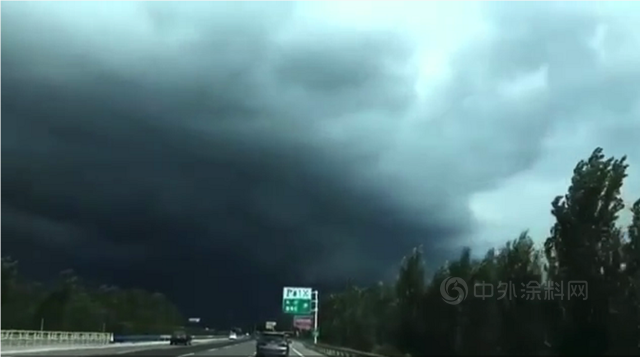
{"points": [[296, 306], [296, 293]]}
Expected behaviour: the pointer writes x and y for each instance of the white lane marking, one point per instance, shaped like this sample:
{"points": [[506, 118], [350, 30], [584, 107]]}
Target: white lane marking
{"points": [[187, 354], [221, 348], [297, 352], [130, 351], [134, 350]]}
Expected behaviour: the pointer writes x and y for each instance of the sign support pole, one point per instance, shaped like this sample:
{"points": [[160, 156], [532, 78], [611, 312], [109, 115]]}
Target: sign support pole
{"points": [[316, 301]]}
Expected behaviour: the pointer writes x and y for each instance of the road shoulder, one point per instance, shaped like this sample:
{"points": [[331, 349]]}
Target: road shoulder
{"points": [[299, 350]]}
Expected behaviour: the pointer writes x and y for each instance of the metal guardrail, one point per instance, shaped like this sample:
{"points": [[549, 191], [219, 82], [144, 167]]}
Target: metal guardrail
{"points": [[208, 337], [152, 338], [329, 350], [25, 338]]}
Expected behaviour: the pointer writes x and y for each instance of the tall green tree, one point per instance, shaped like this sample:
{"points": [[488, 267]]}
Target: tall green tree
{"points": [[584, 248], [9, 275], [578, 295], [410, 289]]}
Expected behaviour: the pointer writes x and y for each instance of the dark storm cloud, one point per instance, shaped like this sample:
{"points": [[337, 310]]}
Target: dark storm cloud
{"points": [[249, 146], [139, 143]]}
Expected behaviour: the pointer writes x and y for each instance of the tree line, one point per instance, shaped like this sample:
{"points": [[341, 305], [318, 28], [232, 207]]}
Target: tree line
{"points": [[579, 294], [71, 305]]}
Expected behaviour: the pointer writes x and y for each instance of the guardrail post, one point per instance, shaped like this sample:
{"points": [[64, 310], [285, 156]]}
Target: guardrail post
{"points": [[45, 339]]}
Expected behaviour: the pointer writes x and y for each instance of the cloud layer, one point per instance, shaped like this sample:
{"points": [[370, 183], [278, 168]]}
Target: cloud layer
{"points": [[256, 145]]}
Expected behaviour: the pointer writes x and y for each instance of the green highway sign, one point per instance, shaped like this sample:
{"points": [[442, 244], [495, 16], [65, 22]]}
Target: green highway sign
{"points": [[296, 301], [296, 306]]}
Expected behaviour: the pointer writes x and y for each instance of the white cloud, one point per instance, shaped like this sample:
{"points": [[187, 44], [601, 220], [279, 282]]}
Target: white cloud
{"points": [[508, 99], [564, 109]]}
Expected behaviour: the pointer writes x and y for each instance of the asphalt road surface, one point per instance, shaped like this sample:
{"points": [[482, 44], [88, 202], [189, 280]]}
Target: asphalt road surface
{"points": [[225, 348]]}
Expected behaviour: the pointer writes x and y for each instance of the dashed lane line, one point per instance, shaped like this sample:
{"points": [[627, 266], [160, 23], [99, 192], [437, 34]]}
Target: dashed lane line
{"points": [[297, 352]]}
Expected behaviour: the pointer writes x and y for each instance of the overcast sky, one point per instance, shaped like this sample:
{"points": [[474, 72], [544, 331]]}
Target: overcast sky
{"points": [[253, 145]]}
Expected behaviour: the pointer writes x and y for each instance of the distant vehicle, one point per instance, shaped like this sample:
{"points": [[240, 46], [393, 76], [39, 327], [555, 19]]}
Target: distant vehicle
{"points": [[180, 338], [233, 336], [272, 344]]}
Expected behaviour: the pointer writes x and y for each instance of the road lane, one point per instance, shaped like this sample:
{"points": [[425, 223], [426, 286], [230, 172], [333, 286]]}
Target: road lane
{"points": [[244, 349], [248, 349], [60, 349], [165, 350], [219, 348], [182, 351]]}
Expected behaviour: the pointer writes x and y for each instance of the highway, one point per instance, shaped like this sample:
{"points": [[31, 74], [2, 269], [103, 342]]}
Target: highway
{"points": [[245, 348]]}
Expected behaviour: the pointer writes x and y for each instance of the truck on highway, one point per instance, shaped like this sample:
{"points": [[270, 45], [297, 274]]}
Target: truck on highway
{"points": [[180, 337]]}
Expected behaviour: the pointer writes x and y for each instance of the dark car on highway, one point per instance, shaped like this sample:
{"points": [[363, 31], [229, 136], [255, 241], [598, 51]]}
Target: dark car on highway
{"points": [[272, 344], [180, 338]]}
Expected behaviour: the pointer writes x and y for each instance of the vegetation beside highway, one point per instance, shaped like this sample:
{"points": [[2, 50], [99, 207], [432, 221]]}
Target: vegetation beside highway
{"points": [[586, 243], [70, 305]]}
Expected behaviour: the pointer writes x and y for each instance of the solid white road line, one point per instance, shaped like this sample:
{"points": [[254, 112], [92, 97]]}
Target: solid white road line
{"points": [[187, 354], [297, 352]]}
